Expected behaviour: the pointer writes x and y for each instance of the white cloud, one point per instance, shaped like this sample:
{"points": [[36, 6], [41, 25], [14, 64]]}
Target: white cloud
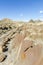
{"points": [[41, 12]]}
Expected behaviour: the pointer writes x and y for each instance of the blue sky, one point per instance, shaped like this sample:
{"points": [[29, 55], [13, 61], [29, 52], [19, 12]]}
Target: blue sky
{"points": [[21, 9]]}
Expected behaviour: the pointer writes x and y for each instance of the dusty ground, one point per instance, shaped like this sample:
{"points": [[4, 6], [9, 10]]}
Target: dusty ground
{"points": [[21, 43]]}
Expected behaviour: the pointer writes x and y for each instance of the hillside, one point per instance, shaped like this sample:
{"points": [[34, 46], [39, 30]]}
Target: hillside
{"points": [[21, 43]]}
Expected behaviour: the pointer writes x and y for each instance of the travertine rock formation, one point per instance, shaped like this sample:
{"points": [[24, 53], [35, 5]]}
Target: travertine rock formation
{"points": [[21, 43]]}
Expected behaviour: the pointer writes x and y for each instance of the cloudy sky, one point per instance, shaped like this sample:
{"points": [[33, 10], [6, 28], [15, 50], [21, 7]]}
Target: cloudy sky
{"points": [[21, 9]]}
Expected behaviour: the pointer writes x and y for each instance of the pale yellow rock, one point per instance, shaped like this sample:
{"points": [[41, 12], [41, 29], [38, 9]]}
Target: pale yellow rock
{"points": [[0, 49]]}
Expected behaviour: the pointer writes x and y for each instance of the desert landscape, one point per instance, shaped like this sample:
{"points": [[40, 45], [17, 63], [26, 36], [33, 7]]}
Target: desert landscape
{"points": [[21, 43]]}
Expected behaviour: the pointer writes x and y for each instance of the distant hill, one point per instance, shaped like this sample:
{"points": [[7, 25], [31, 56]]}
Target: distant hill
{"points": [[6, 20], [35, 21], [31, 21]]}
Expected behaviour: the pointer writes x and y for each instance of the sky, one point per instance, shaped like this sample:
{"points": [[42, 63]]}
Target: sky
{"points": [[21, 9]]}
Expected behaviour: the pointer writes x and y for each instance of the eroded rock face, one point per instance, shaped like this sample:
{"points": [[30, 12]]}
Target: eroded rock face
{"points": [[2, 57], [30, 54]]}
